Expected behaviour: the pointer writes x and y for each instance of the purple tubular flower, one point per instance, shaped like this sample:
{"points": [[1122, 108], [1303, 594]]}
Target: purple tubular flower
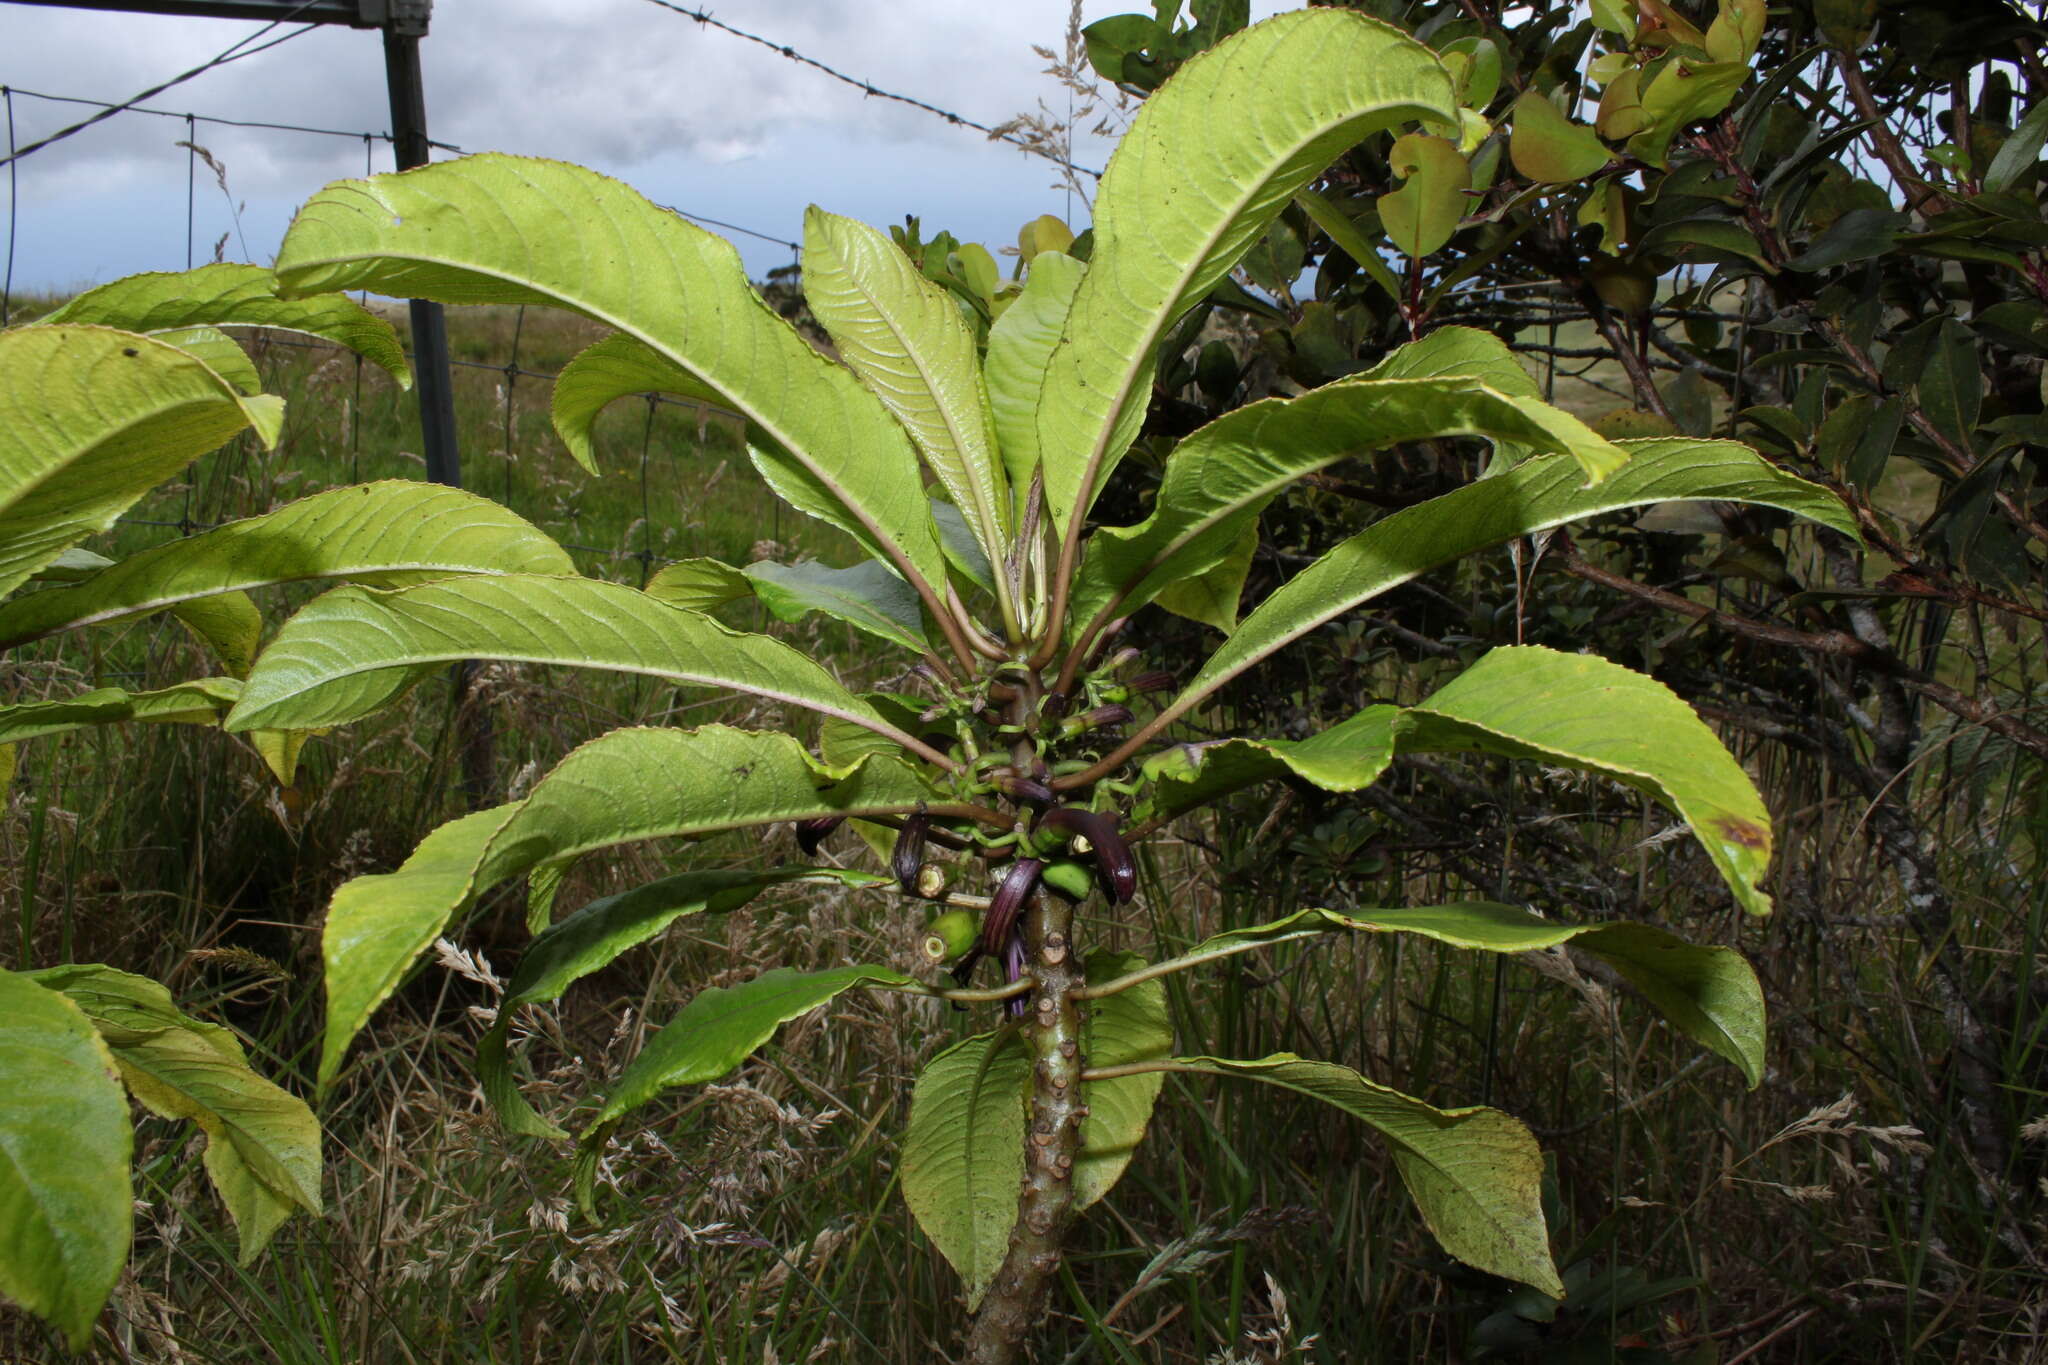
{"points": [[907, 859], [1024, 789], [1115, 869], [1156, 680], [1008, 903], [1113, 714], [1014, 958], [811, 833]]}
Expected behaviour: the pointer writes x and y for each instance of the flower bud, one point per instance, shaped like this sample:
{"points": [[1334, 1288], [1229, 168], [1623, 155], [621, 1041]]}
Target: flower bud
{"points": [[1008, 903], [907, 858], [811, 833], [1153, 680]]}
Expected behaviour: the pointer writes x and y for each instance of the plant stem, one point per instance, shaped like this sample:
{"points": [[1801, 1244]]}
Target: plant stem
{"points": [[1013, 1309]]}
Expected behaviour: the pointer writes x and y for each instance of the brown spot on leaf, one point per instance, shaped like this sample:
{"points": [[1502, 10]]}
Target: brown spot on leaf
{"points": [[1744, 833]]}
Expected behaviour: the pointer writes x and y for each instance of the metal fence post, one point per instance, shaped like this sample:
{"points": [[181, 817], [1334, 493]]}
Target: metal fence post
{"points": [[405, 24]]}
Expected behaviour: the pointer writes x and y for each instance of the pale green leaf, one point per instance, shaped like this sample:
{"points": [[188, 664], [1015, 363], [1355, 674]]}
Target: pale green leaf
{"points": [[64, 1148], [1708, 993], [627, 786], [390, 533], [1212, 596], [963, 1154], [595, 936], [1680, 93], [1220, 478], [1476, 1174], [1130, 1026], [201, 702], [699, 584], [908, 340], [91, 419], [1020, 344], [503, 229], [227, 623], [1191, 188], [867, 596], [347, 652], [262, 1143], [619, 366], [1582, 711], [230, 295], [1424, 212], [1530, 497], [220, 352]]}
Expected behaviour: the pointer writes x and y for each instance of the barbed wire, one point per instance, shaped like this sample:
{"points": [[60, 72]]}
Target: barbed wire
{"points": [[705, 18], [233, 53], [131, 108]]}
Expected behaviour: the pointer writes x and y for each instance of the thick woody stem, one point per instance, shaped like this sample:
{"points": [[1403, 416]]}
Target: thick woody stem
{"points": [[1014, 1309]]}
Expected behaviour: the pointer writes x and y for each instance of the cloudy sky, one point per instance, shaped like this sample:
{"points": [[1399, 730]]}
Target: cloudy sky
{"points": [[694, 117]]}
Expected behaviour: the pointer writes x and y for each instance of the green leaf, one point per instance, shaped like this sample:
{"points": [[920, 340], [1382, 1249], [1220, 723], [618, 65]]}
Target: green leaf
{"points": [[1187, 192], [627, 786], [1020, 345], [1582, 711], [1857, 235], [262, 1143], [390, 533], [1548, 147], [908, 340], [1420, 216], [1682, 93], [1212, 596], [220, 353], [351, 650], [599, 933], [1220, 478], [1131, 1026], [963, 1154], [699, 584], [503, 229], [1950, 384], [1530, 497], [2020, 152], [90, 420], [64, 1149], [1347, 757], [1708, 993], [228, 295], [1348, 239], [1476, 1174], [227, 623], [618, 366], [867, 596], [201, 702], [714, 1034]]}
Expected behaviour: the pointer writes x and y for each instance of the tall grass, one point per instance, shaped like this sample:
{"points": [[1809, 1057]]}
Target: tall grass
{"points": [[1829, 1216]]}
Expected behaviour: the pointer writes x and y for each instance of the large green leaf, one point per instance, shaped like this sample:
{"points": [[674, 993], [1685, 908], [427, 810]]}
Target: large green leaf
{"points": [[699, 584], [714, 1034], [963, 1154], [347, 652], [1207, 164], [1130, 1026], [1476, 1174], [1020, 344], [1708, 993], [627, 786], [201, 702], [1581, 710], [1219, 479], [394, 532], [595, 936], [907, 338], [229, 295], [1530, 497], [503, 229], [262, 1143], [221, 353], [90, 420], [64, 1148], [1347, 757]]}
